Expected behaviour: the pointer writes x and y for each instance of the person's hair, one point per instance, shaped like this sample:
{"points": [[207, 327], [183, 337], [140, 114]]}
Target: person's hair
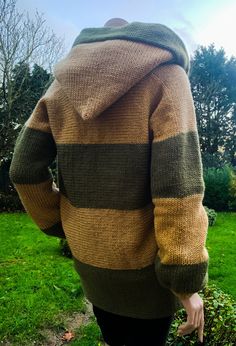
{"points": [[116, 22]]}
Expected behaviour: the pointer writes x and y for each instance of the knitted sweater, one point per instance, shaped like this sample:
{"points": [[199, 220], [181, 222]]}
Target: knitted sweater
{"points": [[119, 119]]}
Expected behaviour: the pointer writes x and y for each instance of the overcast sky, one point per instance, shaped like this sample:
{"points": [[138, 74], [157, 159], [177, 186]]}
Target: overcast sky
{"points": [[195, 21]]}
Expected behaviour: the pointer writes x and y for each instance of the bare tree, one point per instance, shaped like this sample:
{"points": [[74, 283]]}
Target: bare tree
{"points": [[22, 40]]}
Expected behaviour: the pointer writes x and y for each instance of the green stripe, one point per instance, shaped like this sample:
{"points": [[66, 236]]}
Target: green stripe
{"points": [[34, 151], [176, 167], [55, 230], [135, 292], [154, 34], [113, 176], [182, 278]]}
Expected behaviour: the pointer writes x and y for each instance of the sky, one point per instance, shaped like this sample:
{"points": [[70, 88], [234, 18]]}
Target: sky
{"points": [[197, 22]]}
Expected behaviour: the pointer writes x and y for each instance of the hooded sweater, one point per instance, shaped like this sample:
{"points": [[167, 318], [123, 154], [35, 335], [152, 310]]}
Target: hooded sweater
{"points": [[119, 119]]}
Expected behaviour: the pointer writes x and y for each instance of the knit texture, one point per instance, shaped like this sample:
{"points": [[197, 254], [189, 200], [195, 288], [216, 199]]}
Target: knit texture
{"points": [[154, 34], [119, 119]]}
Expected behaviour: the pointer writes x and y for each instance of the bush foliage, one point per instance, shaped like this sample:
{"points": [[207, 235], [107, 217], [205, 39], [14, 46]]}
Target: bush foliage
{"points": [[220, 192], [232, 190], [219, 320], [10, 203], [212, 214]]}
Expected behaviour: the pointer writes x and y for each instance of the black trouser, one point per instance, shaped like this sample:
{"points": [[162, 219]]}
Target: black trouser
{"points": [[122, 330]]}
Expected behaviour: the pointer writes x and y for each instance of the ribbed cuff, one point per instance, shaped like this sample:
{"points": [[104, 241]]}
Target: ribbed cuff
{"points": [[55, 230], [188, 278]]}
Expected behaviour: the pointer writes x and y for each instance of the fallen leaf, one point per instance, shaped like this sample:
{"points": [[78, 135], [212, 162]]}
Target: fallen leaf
{"points": [[68, 336]]}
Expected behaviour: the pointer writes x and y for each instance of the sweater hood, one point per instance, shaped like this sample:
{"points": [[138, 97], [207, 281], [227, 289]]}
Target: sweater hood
{"points": [[104, 63]]}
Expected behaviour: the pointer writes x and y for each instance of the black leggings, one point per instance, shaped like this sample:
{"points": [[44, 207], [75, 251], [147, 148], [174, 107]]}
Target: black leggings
{"points": [[122, 330]]}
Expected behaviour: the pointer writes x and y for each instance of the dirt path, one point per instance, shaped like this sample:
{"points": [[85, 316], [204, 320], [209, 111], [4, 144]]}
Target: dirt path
{"points": [[71, 322]]}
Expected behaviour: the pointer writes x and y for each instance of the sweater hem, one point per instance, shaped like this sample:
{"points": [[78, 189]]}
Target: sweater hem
{"points": [[133, 293]]}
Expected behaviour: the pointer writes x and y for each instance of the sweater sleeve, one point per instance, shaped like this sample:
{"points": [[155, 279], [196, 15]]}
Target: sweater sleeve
{"points": [[177, 186], [34, 151]]}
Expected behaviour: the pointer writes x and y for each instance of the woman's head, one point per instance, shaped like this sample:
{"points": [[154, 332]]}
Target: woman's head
{"points": [[115, 22]]}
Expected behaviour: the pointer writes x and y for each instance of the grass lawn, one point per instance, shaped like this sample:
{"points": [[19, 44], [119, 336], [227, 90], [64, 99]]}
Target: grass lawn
{"points": [[221, 245], [40, 290], [38, 286]]}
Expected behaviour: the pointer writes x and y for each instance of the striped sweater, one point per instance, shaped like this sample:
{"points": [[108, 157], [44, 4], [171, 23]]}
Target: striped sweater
{"points": [[120, 121]]}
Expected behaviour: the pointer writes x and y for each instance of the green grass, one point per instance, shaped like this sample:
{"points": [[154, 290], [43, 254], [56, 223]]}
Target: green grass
{"points": [[38, 284], [221, 245]]}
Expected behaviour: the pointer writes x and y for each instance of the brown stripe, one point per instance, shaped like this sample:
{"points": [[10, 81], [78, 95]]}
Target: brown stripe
{"points": [[134, 293], [175, 112], [90, 101], [110, 238], [39, 117], [181, 225], [41, 201], [115, 125], [157, 35]]}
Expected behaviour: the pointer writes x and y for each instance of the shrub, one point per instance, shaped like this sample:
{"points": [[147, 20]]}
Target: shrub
{"points": [[217, 159], [10, 203], [219, 320], [9, 199], [212, 214], [218, 183], [232, 190]]}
